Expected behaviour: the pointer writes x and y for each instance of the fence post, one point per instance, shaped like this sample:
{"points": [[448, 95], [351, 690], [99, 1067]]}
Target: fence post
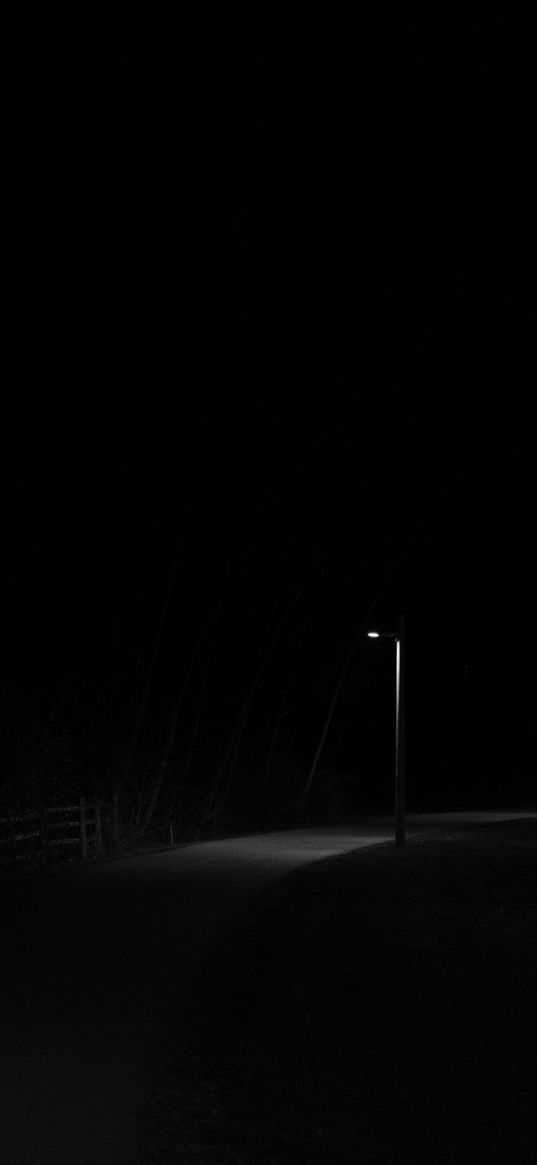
{"points": [[98, 828], [83, 835]]}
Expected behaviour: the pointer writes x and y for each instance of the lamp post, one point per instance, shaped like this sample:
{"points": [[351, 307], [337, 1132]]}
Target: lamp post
{"points": [[400, 773]]}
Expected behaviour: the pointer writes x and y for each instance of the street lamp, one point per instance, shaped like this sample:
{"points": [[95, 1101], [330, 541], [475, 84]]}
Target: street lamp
{"points": [[399, 637]]}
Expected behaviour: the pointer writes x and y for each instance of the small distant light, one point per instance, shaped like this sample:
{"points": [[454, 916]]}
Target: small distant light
{"points": [[373, 635]]}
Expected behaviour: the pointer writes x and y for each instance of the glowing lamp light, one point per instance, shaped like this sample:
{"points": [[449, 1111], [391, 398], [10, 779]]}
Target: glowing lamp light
{"points": [[399, 636]]}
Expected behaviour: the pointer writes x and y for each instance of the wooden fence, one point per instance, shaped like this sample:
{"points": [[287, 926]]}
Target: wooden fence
{"points": [[44, 835]]}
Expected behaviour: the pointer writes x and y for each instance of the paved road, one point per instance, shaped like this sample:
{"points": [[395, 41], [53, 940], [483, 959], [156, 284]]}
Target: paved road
{"points": [[98, 965]]}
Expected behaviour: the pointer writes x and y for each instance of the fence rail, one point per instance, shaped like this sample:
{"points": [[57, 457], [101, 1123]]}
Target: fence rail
{"points": [[30, 837]]}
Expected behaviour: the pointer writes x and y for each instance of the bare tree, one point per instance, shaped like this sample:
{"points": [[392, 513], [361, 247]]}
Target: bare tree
{"points": [[235, 736], [230, 578], [284, 695], [177, 707], [189, 755], [157, 640], [275, 627]]}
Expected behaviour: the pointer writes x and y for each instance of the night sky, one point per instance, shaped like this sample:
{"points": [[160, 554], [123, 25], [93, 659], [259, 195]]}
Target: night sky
{"points": [[278, 303]]}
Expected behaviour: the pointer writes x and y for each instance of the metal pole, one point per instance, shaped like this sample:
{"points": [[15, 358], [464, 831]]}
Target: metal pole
{"points": [[400, 733]]}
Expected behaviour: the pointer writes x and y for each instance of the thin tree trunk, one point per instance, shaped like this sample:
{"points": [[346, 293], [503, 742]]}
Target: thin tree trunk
{"points": [[242, 715], [235, 742], [237, 733], [157, 640], [290, 677], [197, 720], [172, 731]]}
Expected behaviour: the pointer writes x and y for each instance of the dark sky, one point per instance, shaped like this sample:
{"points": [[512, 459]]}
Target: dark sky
{"points": [[293, 283]]}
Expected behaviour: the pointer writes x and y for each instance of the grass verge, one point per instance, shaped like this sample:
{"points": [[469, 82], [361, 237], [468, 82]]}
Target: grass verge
{"points": [[376, 1007]]}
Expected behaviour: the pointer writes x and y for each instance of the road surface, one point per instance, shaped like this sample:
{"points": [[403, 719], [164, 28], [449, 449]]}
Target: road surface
{"points": [[98, 965]]}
